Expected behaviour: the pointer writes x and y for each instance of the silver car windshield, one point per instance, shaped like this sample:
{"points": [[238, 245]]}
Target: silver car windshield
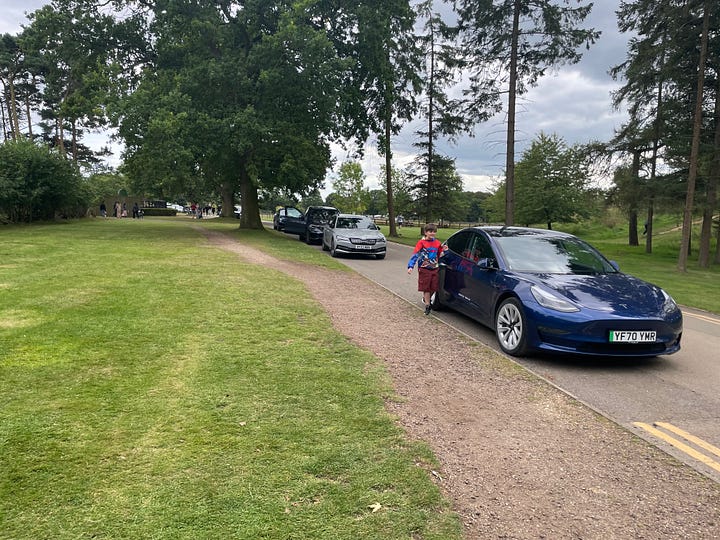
{"points": [[355, 222], [552, 255]]}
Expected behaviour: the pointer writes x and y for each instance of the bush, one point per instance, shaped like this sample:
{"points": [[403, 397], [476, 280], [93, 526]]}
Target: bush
{"points": [[37, 184], [159, 211]]}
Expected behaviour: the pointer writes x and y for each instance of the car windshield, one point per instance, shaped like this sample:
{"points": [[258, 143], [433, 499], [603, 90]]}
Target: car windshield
{"points": [[552, 255], [322, 216], [355, 222]]}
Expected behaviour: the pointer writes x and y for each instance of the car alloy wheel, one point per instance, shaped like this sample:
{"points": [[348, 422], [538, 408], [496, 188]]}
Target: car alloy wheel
{"points": [[333, 251], [510, 328]]}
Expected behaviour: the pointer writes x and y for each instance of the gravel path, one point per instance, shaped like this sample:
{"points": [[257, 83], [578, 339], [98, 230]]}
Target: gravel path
{"points": [[519, 459]]}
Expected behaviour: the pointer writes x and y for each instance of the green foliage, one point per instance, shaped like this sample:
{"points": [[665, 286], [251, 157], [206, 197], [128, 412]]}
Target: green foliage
{"points": [[550, 183], [37, 184], [350, 194]]}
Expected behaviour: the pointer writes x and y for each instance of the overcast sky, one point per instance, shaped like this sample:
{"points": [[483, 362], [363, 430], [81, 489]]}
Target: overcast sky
{"points": [[573, 102]]}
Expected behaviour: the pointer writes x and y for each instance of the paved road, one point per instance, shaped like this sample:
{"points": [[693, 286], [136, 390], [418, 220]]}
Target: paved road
{"points": [[671, 401]]}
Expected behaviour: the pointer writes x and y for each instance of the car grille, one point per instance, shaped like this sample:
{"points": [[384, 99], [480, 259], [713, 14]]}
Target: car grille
{"points": [[363, 241]]}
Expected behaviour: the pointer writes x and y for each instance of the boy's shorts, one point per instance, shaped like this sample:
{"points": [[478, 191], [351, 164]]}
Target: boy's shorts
{"points": [[427, 280]]}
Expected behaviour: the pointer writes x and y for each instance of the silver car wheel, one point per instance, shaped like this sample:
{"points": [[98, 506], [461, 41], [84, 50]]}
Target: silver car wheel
{"points": [[510, 327]]}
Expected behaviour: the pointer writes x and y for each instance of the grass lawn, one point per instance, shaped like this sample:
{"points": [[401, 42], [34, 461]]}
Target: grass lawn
{"points": [[695, 288], [153, 387]]}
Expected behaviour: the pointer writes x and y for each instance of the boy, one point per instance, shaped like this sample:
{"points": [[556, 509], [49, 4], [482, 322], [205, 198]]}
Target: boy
{"points": [[426, 255]]}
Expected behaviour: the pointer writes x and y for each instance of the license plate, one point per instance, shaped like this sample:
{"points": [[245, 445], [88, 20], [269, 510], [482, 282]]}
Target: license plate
{"points": [[632, 336], [362, 246]]}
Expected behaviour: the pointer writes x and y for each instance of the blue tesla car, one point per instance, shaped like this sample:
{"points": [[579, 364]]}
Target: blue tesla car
{"points": [[543, 290]]}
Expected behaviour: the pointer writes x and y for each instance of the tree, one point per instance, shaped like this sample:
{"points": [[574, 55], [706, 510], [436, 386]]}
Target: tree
{"points": [[516, 42], [246, 95], [443, 116], [11, 65], [386, 76], [667, 62], [435, 194], [71, 41], [350, 192], [551, 182]]}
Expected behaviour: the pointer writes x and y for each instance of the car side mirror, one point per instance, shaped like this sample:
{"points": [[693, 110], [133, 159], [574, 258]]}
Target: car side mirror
{"points": [[486, 263]]}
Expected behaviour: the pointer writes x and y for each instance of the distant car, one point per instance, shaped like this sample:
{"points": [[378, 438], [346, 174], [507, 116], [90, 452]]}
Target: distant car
{"points": [[309, 226], [281, 215], [350, 233], [237, 211], [176, 207], [543, 290]]}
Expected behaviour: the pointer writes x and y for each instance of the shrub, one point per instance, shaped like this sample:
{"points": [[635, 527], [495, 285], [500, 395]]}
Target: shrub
{"points": [[38, 184]]}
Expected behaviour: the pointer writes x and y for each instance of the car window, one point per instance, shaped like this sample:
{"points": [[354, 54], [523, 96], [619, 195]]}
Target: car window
{"points": [[458, 242], [479, 248], [552, 255], [293, 212], [321, 215], [355, 222]]}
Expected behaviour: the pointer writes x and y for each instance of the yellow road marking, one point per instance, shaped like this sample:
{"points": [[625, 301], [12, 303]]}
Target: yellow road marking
{"points": [[679, 445], [713, 320], [692, 438]]}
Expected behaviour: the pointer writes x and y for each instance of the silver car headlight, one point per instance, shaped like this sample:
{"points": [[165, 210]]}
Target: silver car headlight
{"points": [[342, 238], [551, 301], [669, 305]]}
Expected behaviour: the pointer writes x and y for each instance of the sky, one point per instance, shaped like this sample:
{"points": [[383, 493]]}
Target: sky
{"points": [[573, 101]]}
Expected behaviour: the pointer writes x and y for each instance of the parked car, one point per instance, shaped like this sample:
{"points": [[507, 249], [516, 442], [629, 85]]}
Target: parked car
{"points": [[237, 211], [544, 290], [350, 233], [309, 226], [281, 215]]}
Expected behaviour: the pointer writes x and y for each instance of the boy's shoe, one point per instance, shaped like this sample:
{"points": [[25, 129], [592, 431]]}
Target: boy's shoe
{"points": [[427, 309]]}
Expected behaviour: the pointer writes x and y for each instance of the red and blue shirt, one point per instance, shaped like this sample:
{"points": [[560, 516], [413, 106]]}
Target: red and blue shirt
{"points": [[426, 254]]}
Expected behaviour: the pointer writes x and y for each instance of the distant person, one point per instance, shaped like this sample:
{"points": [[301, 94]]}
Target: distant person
{"points": [[136, 211], [400, 221], [647, 223], [427, 255], [103, 210]]}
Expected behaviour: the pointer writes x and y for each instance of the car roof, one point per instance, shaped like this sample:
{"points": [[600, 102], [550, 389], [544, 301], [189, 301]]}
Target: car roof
{"points": [[351, 216], [504, 230]]}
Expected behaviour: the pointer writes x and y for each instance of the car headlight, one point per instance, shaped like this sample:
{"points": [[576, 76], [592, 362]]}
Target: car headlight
{"points": [[669, 305], [342, 238], [551, 301]]}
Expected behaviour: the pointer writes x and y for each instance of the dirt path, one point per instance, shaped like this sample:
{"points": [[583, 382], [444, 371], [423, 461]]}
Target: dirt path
{"points": [[520, 459]]}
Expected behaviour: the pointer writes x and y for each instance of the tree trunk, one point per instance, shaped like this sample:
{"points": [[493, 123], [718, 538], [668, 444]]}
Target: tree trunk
{"points": [[388, 179], [695, 148], [510, 145], [632, 217], [228, 201], [250, 215]]}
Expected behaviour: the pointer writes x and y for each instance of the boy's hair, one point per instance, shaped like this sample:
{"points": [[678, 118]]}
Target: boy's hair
{"points": [[429, 227]]}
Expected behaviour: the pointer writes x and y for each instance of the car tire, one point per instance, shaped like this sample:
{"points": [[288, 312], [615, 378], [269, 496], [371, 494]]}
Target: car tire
{"points": [[511, 328], [301, 236], [324, 245], [333, 251], [308, 239]]}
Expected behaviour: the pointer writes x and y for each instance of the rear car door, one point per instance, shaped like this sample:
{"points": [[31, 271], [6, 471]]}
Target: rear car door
{"points": [[294, 221]]}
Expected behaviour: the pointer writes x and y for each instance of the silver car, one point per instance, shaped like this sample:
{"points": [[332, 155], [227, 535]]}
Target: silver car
{"points": [[350, 233]]}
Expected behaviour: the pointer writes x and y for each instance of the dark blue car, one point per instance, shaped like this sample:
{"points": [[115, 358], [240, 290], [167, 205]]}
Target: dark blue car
{"points": [[543, 290]]}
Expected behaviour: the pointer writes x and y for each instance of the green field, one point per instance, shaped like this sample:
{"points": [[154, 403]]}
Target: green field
{"points": [[153, 387]]}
